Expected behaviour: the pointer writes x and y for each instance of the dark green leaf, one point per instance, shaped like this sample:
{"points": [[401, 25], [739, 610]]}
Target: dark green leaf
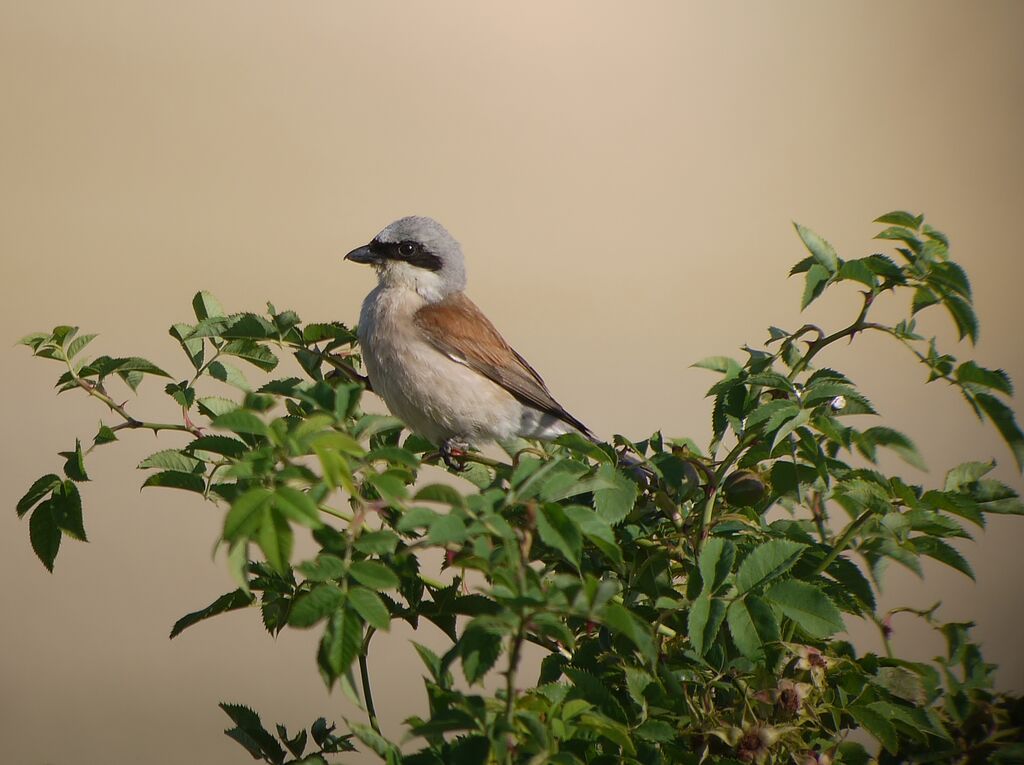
{"points": [[214, 406], [716, 562], [276, 539], [206, 306], [36, 492], [74, 464], [241, 421], [900, 218], [623, 621], [223, 445], [942, 552], [246, 514], [479, 648], [44, 533], [704, 621], [251, 351], [806, 605], [231, 601], [104, 435], [558, 530], [1002, 417], [972, 374], [963, 316], [67, 510], [173, 479], [752, 624], [877, 725]]}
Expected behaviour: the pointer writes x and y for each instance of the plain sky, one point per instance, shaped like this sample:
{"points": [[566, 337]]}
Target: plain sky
{"points": [[622, 177]]}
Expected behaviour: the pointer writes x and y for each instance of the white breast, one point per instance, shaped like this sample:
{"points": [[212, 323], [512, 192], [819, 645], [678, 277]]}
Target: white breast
{"points": [[438, 397]]}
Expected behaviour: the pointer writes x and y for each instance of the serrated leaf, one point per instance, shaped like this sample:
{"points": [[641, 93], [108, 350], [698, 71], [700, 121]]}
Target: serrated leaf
{"points": [[298, 506], [868, 440], [820, 250], [877, 725], [246, 514], [615, 501], [806, 605], [223, 445], [74, 463], [44, 533], [370, 607], [231, 601], [36, 492], [310, 607], [1002, 417], [78, 344], [963, 316], [276, 539], [251, 351], [241, 421], [341, 643], [206, 306], [215, 406], [704, 620], [623, 621], [67, 510], [900, 218], [766, 562], [479, 648], [814, 284], [228, 373], [727, 366], [752, 624], [249, 732], [559, 531], [173, 479], [942, 552], [374, 575], [715, 562], [171, 459], [996, 379], [597, 530]]}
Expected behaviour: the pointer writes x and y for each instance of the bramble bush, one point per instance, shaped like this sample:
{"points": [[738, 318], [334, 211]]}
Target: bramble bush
{"points": [[686, 614]]}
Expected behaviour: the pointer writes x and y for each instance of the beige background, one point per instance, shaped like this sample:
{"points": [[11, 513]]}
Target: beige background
{"points": [[622, 177]]}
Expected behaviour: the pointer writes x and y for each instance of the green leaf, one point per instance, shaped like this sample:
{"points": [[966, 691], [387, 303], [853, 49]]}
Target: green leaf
{"points": [[806, 605], [44, 533], [479, 648], [858, 271], [766, 562], [597, 530], [616, 500], [104, 435], [228, 373], [376, 742], [716, 561], [1002, 417], [891, 439], [310, 607], [298, 506], [223, 445], [558, 530], [250, 733], [727, 366], [623, 621], [251, 351], [67, 510], [276, 539], [447, 529], [821, 250], [341, 643], [232, 601], [241, 421], [172, 459], [173, 479], [942, 552], [245, 514], [900, 218], [215, 406], [322, 568], [798, 420], [370, 607], [36, 492], [374, 575], [381, 542], [877, 725], [77, 345], [704, 621], [752, 624], [611, 729], [963, 316], [206, 306], [970, 373], [74, 464]]}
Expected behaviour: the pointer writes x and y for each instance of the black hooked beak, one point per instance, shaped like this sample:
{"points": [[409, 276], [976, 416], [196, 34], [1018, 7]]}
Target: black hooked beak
{"points": [[364, 254]]}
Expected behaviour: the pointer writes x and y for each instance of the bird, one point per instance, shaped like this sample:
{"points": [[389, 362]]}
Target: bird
{"points": [[435, 359]]}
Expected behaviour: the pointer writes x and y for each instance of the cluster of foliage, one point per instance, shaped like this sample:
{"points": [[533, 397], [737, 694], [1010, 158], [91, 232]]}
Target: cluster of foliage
{"points": [[687, 611]]}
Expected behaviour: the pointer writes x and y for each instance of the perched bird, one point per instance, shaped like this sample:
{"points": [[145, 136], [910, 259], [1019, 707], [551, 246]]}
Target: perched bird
{"points": [[430, 353]]}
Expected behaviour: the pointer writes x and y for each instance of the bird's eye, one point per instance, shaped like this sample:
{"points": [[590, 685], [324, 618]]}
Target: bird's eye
{"points": [[407, 248]]}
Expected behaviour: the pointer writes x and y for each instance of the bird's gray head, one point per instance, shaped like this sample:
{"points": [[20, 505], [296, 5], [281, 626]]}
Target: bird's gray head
{"points": [[417, 253]]}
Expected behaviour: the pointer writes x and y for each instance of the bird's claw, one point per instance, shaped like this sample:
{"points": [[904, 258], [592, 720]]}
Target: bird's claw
{"points": [[452, 453]]}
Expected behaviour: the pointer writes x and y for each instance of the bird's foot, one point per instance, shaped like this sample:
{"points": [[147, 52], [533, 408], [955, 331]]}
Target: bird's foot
{"points": [[453, 452]]}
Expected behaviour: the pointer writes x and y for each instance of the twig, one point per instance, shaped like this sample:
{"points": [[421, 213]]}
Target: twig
{"points": [[364, 677]]}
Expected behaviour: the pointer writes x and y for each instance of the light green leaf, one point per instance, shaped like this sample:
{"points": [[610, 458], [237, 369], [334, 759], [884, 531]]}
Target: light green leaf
{"points": [[171, 459], [241, 421], [616, 500], [276, 539], [309, 608], [374, 575], [298, 506], [206, 306], [821, 250], [767, 561], [246, 514], [370, 607]]}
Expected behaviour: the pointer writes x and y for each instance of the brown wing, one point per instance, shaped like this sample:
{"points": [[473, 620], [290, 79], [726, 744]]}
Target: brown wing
{"points": [[457, 328]]}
